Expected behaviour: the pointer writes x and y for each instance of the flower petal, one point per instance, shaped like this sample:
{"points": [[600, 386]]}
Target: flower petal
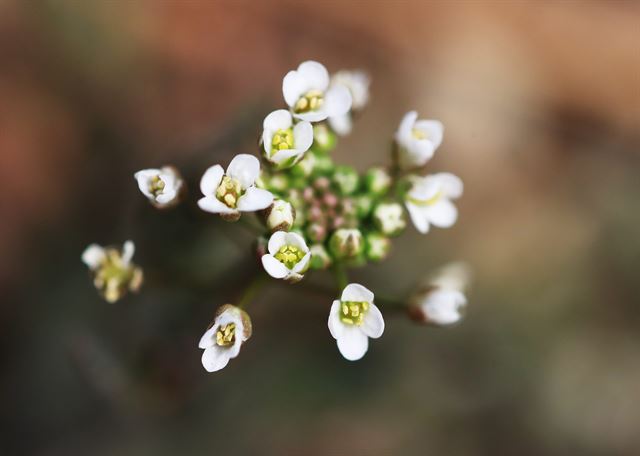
{"points": [[293, 87], [274, 268], [215, 358], [215, 206], [315, 74], [336, 327], [302, 136], [143, 177], [301, 266], [442, 214], [128, 249], [450, 184], [93, 256], [282, 155], [418, 217], [312, 116], [279, 119], [296, 240], [403, 135], [255, 199], [342, 124], [211, 180], [353, 343], [373, 323], [442, 307], [338, 101], [208, 338], [245, 168], [277, 240], [433, 129], [356, 292]]}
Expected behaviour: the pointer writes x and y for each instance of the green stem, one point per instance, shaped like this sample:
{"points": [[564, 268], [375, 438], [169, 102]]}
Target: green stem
{"points": [[256, 284], [340, 273]]}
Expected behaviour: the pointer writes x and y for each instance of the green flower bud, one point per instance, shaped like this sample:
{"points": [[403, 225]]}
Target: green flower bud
{"points": [[377, 181], [347, 179], [364, 204], [280, 216], [320, 258], [278, 183], [346, 243], [304, 168], [323, 163], [377, 247], [389, 218], [324, 140]]}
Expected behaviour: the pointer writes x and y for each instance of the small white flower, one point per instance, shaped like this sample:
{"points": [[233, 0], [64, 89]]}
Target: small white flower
{"points": [[160, 186], [429, 200], [389, 218], [280, 216], [233, 192], [223, 339], [288, 256], [357, 82], [353, 319], [285, 144], [307, 92], [417, 140]]}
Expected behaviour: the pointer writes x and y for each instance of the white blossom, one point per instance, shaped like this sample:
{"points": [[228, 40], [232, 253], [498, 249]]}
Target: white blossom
{"points": [[357, 82], [389, 218], [353, 319], [161, 186], [428, 201], [284, 143], [417, 140], [233, 192], [309, 96], [288, 256], [223, 339]]}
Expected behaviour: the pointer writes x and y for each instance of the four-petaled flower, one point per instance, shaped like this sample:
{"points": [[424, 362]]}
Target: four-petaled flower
{"points": [[233, 192], [285, 144], [288, 256], [429, 200], [353, 319], [358, 84], [161, 186], [309, 96], [222, 340], [417, 140]]}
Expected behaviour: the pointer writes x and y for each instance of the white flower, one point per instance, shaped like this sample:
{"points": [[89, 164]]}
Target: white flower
{"points": [[358, 84], [280, 216], [307, 92], [389, 218], [222, 340], [288, 256], [429, 200], [417, 140], [353, 319], [160, 186], [285, 144], [233, 192], [441, 301]]}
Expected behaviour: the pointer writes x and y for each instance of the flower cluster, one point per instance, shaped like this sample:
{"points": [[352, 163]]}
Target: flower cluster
{"points": [[315, 214]]}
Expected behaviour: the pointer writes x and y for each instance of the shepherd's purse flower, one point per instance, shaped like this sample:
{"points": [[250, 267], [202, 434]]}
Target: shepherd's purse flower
{"points": [[428, 201], [224, 337], [417, 140], [161, 186], [288, 256], [284, 143]]}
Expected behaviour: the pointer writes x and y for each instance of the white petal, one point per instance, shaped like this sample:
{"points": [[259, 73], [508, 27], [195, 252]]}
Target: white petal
{"points": [[450, 184], [373, 323], [357, 293], [215, 358], [418, 217], [93, 256], [211, 180], [293, 87], [302, 136], [128, 249], [208, 338], [215, 206], [337, 101], [282, 155], [420, 151], [277, 240], [166, 196], [245, 168], [403, 135], [443, 306], [274, 268], [315, 74], [442, 214], [301, 265], [278, 120], [313, 116], [254, 199], [342, 125], [353, 343], [295, 240], [143, 177], [336, 327], [433, 129]]}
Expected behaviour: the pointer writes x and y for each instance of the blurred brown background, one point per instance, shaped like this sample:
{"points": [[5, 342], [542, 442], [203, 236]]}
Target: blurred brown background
{"points": [[541, 104]]}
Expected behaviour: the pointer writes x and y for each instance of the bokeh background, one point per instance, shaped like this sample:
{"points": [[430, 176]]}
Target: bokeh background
{"points": [[541, 103]]}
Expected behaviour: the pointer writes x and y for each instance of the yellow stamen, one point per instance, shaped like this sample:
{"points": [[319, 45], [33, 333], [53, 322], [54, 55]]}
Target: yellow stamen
{"points": [[310, 101], [352, 312], [226, 335]]}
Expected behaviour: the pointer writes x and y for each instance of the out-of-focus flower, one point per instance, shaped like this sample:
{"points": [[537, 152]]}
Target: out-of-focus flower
{"points": [[113, 272], [233, 192], [347, 179], [221, 342], [346, 243], [323, 138], [353, 319], [417, 140], [377, 246], [377, 181], [285, 144], [280, 216], [320, 258], [441, 301], [429, 200], [161, 186], [307, 92], [358, 84], [389, 218], [288, 256]]}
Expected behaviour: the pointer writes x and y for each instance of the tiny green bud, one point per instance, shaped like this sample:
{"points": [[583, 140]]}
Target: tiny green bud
{"points": [[346, 243], [304, 167], [377, 247], [323, 165], [377, 181], [324, 139], [280, 216], [278, 183], [364, 204], [347, 179], [320, 258], [389, 218]]}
